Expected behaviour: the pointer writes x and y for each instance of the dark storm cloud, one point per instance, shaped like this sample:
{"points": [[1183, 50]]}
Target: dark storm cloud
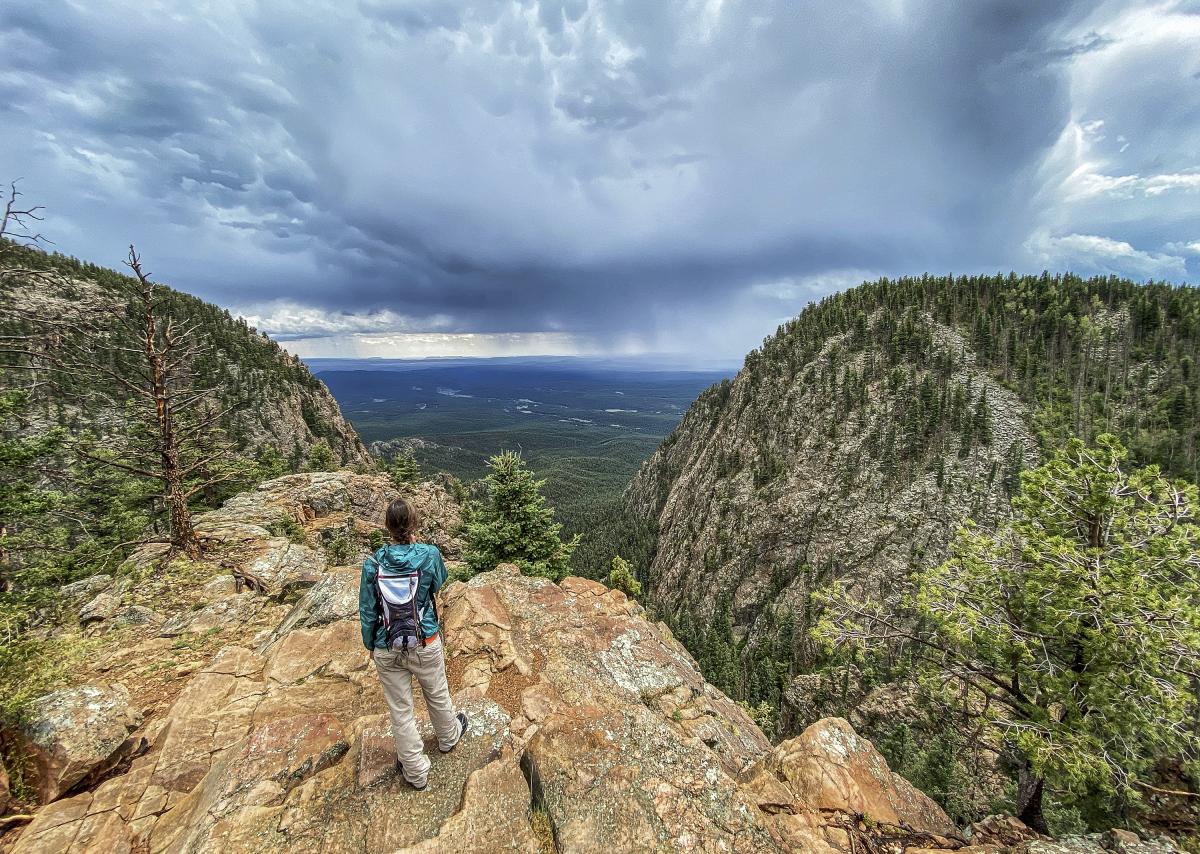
{"points": [[600, 169]]}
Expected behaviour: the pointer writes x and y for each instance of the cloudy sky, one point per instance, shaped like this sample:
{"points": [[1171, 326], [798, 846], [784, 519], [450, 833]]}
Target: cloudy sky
{"points": [[395, 177]]}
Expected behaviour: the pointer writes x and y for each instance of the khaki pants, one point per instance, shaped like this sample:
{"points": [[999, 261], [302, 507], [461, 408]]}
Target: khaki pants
{"points": [[396, 670]]}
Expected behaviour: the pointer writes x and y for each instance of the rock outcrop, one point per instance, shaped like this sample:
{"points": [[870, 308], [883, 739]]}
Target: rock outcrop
{"points": [[271, 537], [154, 626], [102, 607], [592, 729], [581, 709], [830, 767], [85, 588]]}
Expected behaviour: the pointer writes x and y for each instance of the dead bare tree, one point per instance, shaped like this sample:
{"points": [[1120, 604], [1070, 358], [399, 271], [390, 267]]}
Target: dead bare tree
{"points": [[19, 220], [18, 234], [122, 356], [177, 440]]}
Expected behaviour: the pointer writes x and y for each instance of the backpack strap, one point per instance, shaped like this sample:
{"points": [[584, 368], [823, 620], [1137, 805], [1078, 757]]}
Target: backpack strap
{"points": [[418, 612], [380, 605], [432, 603]]}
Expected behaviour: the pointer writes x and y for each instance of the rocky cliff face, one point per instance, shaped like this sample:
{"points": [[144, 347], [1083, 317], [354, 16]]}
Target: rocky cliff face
{"points": [[592, 729], [792, 476], [858, 438]]}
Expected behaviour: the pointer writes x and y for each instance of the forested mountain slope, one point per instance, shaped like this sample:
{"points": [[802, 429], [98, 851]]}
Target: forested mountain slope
{"points": [[866, 430], [274, 404]]}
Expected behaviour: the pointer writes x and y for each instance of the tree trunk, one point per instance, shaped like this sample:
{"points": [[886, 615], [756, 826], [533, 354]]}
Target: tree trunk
{"points": [[183, 536], [1029, 798], [5, 582]]}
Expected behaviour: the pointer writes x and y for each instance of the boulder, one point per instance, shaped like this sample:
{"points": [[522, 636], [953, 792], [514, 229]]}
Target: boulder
{"points": [[284, 570], [219, 587], [85, 588], [1000, 830], [1119, 839], [830, 767], [333, 598], [102, 607], [73, 733]]}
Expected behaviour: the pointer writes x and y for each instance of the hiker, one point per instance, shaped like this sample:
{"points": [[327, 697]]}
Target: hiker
{"points": [[400, 629]]}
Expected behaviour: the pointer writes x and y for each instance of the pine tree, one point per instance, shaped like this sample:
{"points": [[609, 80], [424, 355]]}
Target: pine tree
{"points": [[621, 578], [513, 524], [24, 501], [320, 457], [1076, 624], [404, 470]]}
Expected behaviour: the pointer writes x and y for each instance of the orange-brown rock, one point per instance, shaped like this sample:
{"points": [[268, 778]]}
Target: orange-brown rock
{"points": [[5, 796], [830, 767], [582, 713], [73, 733]]}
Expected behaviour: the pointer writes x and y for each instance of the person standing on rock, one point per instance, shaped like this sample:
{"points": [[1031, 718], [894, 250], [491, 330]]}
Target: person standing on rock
{"points": [[400, 629]]}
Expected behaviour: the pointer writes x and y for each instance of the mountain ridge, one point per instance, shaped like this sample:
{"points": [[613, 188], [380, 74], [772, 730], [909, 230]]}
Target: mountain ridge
{"points": [[856, 440], [292, 410]]}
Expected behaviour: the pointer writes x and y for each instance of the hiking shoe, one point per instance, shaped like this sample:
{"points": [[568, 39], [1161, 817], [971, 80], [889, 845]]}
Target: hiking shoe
{"points": [[462, 722], [400, 771]]}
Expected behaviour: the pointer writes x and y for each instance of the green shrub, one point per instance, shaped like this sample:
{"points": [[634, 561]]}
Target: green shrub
{"points": [[622, 578], [288, 526], [341, 547]]}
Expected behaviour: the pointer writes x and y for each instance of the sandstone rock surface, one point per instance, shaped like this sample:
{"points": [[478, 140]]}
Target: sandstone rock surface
{"points": [[580, 708], [583, 713], [74, 732]]}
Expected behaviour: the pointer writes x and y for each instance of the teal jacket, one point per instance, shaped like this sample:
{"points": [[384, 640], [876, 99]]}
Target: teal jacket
{"points": [[397, 557]]}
